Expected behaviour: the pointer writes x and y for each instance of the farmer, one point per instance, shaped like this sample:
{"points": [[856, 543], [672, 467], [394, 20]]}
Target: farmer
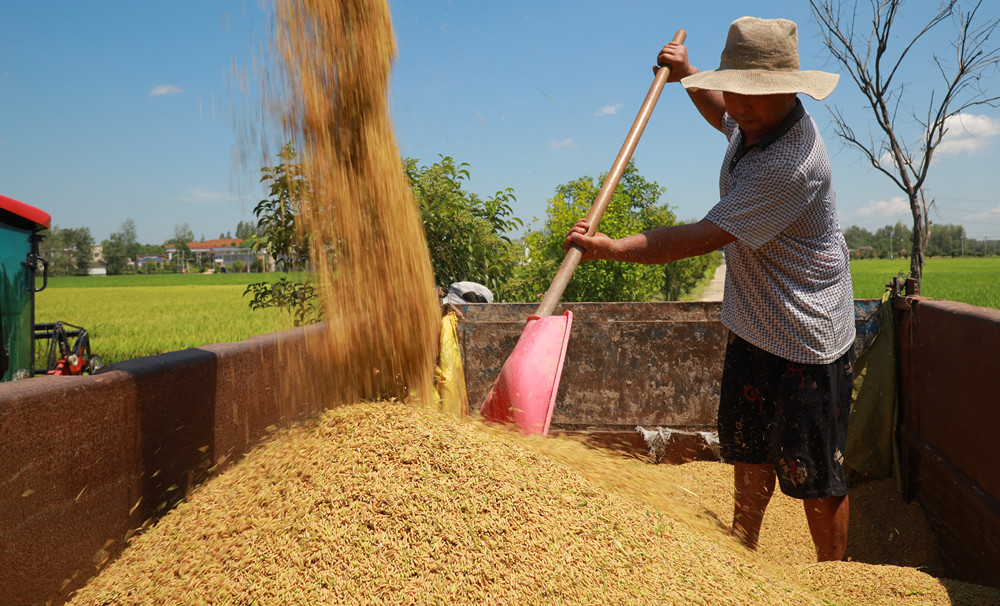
{"points": [[788, 302]]}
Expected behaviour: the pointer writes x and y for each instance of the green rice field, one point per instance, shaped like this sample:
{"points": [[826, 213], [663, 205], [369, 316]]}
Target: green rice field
{"points": [[969, 280], [133, 316]]}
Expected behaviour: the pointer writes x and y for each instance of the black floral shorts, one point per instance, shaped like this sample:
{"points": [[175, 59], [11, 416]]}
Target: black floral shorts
{"points": [[791, 415]]}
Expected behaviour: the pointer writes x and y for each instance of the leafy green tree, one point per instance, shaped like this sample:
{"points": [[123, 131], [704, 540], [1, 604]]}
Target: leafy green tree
{"points": [[635, 207], [683, 275], [182, 234], [856, 237], [246, 230], [129, 238], [120, 249], [468, 237], [948, 239], [181, 239], [276, 231], [80, 247], [149, 250], [52, 249], [892, 240], [277, 235], [115, 258]]}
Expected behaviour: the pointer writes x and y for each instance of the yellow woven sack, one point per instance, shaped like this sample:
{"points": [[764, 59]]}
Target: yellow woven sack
{"points": [[450, 375]]}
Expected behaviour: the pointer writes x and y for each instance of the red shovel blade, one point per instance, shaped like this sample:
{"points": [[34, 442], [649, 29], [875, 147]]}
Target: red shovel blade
{"points": [[525, 391]]}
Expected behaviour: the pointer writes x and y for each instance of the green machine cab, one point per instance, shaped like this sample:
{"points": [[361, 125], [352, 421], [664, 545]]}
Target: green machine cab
{"points": [[20, 225]]}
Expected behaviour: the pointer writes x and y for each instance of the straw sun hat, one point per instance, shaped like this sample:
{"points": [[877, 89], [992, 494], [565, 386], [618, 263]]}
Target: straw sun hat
{"points": [[762, 58]]}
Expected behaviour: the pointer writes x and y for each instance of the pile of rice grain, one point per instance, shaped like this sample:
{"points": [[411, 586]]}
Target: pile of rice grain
{"points": [[883, 528], [387, 503]]}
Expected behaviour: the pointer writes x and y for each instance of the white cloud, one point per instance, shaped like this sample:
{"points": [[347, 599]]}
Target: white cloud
{"points": [[882, 208], [988, 215], [164, 89], [566, 143], [967, 133], [608, 110], [201, 196]]}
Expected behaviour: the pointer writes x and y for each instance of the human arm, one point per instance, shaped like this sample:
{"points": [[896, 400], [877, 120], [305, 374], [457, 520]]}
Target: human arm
{"points": [[661, 245], [710, 103]]}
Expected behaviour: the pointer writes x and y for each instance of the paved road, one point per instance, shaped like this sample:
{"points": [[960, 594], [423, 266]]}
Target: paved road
{"points": [[713, 292]]}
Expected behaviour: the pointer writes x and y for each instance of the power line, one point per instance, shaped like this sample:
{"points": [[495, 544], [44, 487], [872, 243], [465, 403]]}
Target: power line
{"points": [[978, 200]]}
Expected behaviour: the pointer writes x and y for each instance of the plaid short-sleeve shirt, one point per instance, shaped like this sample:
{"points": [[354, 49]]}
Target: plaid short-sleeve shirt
{"points": [[788, 281]]}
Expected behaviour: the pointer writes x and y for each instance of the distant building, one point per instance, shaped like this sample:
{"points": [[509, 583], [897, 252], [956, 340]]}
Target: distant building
{"points": [[223, 252], [142, 262]]}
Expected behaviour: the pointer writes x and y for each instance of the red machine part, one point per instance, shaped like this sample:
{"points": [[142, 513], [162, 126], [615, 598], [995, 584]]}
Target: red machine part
{"points": [[36, 215]]}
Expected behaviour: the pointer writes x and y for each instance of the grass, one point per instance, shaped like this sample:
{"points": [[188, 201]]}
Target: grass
{"points": [[227, 279], [969, 280], [134, 316]]}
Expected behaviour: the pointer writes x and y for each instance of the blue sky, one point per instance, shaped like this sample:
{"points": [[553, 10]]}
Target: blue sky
{"points": [[116, 110]]}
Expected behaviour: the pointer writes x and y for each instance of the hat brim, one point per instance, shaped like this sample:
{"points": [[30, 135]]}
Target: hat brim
{"points": [[816, 84]]}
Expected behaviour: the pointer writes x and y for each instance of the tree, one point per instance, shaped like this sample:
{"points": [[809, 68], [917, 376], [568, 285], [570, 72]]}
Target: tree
{"points": [[143, 250], [948, 240], [891, 240], [129, 238], [467, 237], [182, 234], [277, 235], [864, 54], [246, 230], [68, 251], [115, 258], [180, 240], [121, 248], [856, 237], [52, 248], [276, 231], [80, 245], [634, 208]]}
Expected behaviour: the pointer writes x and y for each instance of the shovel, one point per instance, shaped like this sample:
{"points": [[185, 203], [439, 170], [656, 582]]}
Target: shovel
{"points": [[525, 391]]}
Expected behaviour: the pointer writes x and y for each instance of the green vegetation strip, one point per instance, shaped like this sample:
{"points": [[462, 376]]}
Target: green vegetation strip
{"points": [[128, 322], [162, 279], [975, 281]]}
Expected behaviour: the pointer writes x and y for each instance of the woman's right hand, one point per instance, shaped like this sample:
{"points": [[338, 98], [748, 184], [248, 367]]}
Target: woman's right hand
{"points": [[597, 246], [675, 56]]}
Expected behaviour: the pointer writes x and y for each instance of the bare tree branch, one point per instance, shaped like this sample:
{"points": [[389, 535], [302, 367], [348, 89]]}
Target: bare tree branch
{"points": [[867, 58]]}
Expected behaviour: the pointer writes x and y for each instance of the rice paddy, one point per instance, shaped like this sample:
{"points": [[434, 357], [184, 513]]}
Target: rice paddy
{"points": [[975, 281], [155, 316]]}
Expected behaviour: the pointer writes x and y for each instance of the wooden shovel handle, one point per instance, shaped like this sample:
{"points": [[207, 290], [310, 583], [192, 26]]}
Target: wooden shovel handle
{"points": [[575, 253]]}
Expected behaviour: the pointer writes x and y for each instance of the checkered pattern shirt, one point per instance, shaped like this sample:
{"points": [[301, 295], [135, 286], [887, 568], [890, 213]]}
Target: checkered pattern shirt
{"points": [[788, 281]]}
